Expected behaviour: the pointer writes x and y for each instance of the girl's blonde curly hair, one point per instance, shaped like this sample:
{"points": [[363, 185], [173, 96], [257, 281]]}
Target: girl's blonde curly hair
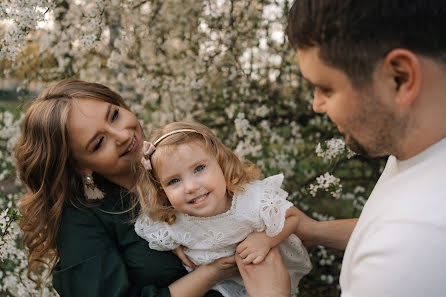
{"points": [[153, 201]]}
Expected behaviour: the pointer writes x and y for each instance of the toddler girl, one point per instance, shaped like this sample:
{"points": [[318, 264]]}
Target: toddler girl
{"points": [[197, 194]]}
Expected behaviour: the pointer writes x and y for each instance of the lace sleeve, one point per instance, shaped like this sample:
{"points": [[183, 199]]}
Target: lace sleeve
{"points": [[158, 234], [273, 204]]}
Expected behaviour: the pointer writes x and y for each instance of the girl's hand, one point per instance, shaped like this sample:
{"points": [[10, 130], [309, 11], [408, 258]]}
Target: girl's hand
{"points": [[254, 248], [180, 254]]}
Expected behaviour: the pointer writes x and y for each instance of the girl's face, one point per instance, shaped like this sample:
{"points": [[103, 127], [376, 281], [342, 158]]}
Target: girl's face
{"points": [[104, 138], [193, 181]]}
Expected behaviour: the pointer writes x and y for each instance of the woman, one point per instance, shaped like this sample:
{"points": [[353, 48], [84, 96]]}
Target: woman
{"points": [[75, 157]]}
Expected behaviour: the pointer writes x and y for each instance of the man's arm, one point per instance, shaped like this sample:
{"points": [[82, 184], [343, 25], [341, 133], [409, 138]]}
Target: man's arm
{"points": [[332, 234]]}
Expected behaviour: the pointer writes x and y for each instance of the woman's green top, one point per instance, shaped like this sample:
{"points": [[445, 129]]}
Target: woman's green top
{"points": [[101, 255]]}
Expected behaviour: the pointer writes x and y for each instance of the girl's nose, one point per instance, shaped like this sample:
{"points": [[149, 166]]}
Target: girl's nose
{"points": [[190, 186]]}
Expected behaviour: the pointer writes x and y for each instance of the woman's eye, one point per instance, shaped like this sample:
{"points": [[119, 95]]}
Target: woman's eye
{"points": [[115, 115], [173, 181], [98, 144], [199, 168]]}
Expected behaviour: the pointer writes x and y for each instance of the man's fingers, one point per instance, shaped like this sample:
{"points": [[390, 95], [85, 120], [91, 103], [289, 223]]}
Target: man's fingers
{"points": [[240, 264]]}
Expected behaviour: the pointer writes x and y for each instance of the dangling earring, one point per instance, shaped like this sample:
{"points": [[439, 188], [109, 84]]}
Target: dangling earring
{"points": [[91, 191]]}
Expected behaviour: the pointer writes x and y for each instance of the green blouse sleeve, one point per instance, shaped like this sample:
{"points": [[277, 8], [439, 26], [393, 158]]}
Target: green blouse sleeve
{"points": [[101, 255]]}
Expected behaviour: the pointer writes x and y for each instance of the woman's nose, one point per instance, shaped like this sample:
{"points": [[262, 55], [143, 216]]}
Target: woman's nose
{"points": [[121, 135]]}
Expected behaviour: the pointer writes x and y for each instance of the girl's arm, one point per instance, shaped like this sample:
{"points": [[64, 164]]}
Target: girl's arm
{"points": [[257, 245], [202, 279]]}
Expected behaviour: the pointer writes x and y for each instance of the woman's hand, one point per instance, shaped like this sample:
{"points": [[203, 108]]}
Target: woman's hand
{"points": [[202, 279], [179, 252]]}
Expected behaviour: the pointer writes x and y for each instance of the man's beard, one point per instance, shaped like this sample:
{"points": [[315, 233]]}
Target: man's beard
{"points": [[355, 146], [383, 125]]}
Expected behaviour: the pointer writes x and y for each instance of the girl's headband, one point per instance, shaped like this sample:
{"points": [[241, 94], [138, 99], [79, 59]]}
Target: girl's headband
{"points": [[149, 148]]}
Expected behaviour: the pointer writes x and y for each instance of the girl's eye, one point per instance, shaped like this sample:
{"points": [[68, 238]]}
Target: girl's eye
{"points": [[199, 168], [115, 115], [173, 181], [98, 144]]}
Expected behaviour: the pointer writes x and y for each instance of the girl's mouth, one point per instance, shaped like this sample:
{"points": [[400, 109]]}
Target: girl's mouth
{"points": [[199, 199]]}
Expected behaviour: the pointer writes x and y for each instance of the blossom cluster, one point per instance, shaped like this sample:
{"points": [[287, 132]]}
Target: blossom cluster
{"points": [[327, 182], [332, 148], [21, 17]]}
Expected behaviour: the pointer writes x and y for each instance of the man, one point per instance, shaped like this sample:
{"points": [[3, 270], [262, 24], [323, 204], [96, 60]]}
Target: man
{"points": [[379, 72]]}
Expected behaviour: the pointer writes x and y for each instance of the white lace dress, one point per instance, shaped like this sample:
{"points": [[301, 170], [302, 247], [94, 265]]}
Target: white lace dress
{"points": [[261, 207]]}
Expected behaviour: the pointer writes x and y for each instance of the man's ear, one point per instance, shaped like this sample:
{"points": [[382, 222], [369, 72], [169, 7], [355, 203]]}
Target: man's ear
{"points": [[405, 68]]}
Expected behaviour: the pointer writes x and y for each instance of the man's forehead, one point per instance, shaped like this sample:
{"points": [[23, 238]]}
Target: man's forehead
{"points": [[309, 61]]}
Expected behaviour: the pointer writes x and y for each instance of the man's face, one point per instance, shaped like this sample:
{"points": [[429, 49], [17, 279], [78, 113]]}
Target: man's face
{"points": [[366, 120]]}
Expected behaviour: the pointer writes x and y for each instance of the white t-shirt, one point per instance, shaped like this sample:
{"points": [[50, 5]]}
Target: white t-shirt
{"points": [[398, 247], [261, 207]]}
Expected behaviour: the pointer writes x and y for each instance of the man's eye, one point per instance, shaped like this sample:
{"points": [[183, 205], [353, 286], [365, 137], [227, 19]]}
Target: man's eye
{"points": [[324, 91], [173, 181], [199, 168], [115, 115], [98, 144]]}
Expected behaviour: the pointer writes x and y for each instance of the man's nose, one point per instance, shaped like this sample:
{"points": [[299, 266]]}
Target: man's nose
{"points": [[318, 104]]}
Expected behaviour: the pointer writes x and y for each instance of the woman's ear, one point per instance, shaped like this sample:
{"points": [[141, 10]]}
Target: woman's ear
{"points": [[405, 69], [84, 171]]}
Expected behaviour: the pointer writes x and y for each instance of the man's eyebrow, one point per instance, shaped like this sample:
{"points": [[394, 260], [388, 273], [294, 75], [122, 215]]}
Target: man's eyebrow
{"points": [[312, 84], [301, 76], [96, 134]]}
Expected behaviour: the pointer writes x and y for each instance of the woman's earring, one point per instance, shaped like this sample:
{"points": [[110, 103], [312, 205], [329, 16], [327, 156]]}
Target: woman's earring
{"points": [[91, 191]]}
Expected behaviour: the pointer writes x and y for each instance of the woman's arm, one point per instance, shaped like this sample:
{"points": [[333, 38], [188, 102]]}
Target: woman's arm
{"points": [[202, 279]]}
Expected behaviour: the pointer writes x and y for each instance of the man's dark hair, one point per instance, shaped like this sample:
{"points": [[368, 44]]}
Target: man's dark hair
{"points": [[353, 35]]}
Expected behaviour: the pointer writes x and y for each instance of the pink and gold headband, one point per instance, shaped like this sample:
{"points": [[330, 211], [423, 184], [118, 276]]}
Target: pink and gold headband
{"points": [[149, 148]]}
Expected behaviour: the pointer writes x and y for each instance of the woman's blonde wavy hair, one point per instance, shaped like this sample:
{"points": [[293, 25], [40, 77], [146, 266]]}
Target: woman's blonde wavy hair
{"points": [[154, 202], [47, 169]]}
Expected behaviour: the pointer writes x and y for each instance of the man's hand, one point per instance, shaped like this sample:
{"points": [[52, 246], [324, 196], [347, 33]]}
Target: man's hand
{"points": [[269, 278], [254, 248]]}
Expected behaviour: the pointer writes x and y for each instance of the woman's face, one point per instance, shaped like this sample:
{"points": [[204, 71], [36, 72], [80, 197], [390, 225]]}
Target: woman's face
{"points": [[104, 138]]}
